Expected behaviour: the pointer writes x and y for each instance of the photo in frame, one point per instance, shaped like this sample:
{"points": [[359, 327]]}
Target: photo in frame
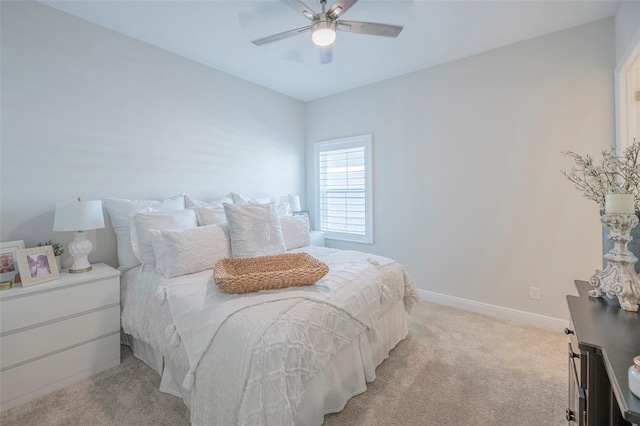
{"points": [[37, 265], [9, 260]]}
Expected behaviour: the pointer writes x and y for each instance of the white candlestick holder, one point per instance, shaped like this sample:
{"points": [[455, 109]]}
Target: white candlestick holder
{"points": [[619, 278]]}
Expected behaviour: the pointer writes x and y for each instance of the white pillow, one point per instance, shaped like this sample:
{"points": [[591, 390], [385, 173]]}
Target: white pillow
{"points": [[119, 211], [191, 202], [210, 215], [283, 209], [295, 231], [254, 230], [146, 220], [187, 251], [241, 199]]}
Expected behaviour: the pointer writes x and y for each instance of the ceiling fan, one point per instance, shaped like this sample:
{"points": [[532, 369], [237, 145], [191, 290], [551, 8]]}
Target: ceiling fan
{"points": [[324, 25]]}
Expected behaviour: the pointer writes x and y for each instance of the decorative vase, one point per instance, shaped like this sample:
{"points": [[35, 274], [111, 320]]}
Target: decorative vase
{"points": [[59, 263], [618, 278], [633, 246]]}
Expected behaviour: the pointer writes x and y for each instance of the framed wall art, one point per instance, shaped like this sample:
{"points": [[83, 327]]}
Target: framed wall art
{"points": [[9, 260], [37, 265]]}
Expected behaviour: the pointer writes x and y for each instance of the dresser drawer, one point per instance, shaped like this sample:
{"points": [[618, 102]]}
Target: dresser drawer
{"points": [[577, 396], [36, 342], [32, 309], [575, 353], [36, 378]]}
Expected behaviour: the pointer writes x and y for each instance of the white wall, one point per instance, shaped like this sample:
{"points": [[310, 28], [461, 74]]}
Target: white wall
{"points": [[627, 24], [627, 36], [88, 112], [468, 193]]}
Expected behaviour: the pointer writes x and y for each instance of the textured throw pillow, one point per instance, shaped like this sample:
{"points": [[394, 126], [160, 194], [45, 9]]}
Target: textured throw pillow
{"points": [[241, 199], [254, 230], [210, 215], [283, 209], [146, 220], [188, 251], [295, 231], [192, 202], [119, 211]]}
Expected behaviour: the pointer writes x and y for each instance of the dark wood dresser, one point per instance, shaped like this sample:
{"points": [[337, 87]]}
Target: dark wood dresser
{"points": [[602, 343]]}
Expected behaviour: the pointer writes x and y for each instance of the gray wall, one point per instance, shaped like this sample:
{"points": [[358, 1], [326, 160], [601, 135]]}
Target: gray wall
{"points": [[627, 27], [468, 193], [88, 112]]}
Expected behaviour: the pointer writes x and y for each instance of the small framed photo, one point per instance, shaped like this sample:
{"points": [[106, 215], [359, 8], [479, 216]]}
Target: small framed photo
{"points": [[9, 260], [37, 265]]}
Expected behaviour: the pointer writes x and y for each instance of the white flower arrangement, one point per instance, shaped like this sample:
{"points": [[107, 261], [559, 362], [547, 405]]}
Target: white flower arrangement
{"points": [[617, 175]]}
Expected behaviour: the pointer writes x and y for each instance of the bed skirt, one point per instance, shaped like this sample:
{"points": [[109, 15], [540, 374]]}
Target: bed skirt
{"points": [[345, 376]]}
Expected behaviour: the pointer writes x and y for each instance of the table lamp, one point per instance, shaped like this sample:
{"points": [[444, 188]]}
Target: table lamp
{"points": [[80, 216], [293, 200]]}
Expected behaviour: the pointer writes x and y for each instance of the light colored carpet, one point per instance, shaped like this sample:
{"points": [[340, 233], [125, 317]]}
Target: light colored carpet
{"points": [[455, 368]]}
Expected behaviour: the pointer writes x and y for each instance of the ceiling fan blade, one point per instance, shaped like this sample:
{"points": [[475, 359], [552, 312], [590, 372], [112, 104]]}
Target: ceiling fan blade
{"points": [[280, 36], [340, 7], [302, 8], [371, 28], [326, 54]]}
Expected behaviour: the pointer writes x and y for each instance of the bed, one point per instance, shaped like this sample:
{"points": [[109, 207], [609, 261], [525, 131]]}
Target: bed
{"points": [[277, 357]]}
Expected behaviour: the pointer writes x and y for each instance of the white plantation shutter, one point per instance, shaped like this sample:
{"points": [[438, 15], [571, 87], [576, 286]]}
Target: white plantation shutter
{"points": [[343, 187]]}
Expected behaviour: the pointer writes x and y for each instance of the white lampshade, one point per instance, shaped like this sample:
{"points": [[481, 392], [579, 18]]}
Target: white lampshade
{"points": [[78, 216], [293, 200]]}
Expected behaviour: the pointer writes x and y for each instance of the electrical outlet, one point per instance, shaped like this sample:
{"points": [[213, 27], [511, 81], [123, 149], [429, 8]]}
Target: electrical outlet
{"points": [[534, 293]]}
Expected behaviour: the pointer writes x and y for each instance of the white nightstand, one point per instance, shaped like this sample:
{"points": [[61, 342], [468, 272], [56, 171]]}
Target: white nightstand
{"points": [[55, 333], [317, 238]]}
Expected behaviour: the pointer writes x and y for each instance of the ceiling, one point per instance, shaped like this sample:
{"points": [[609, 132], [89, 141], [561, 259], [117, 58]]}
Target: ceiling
{"points": [[219, 33]]}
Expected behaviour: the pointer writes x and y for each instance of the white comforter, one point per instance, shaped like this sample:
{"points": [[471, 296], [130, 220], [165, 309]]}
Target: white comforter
{"points": [[286, 336]]}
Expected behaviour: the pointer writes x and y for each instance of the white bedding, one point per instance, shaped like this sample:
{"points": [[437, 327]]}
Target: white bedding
{"points": [[287, 336]]}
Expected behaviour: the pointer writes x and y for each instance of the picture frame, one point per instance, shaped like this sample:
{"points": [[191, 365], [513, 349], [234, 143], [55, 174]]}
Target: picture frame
{"points": [[303, 213], [9, 267], [37, 265]]}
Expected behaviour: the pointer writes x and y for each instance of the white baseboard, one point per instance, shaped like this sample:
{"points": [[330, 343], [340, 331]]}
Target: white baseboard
{"points": [[522, 317]]}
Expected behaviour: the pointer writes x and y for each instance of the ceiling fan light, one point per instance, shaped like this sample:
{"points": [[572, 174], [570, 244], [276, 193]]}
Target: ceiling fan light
{"points": [[323, 33]]}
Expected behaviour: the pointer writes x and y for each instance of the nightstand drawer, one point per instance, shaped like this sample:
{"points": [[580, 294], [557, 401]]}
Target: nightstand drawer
{"points": [[27, 381], [47, 305], [39, 341]]}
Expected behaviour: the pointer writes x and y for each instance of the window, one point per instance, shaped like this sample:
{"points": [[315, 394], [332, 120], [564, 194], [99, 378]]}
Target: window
{"points": [[343, 188]]}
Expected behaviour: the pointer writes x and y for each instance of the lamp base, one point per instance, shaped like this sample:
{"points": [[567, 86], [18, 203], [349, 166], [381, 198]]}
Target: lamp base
{"points": [[80, 248]]}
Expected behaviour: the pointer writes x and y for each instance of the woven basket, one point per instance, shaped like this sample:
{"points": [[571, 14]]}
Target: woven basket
{"points": [[251, 274]]}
